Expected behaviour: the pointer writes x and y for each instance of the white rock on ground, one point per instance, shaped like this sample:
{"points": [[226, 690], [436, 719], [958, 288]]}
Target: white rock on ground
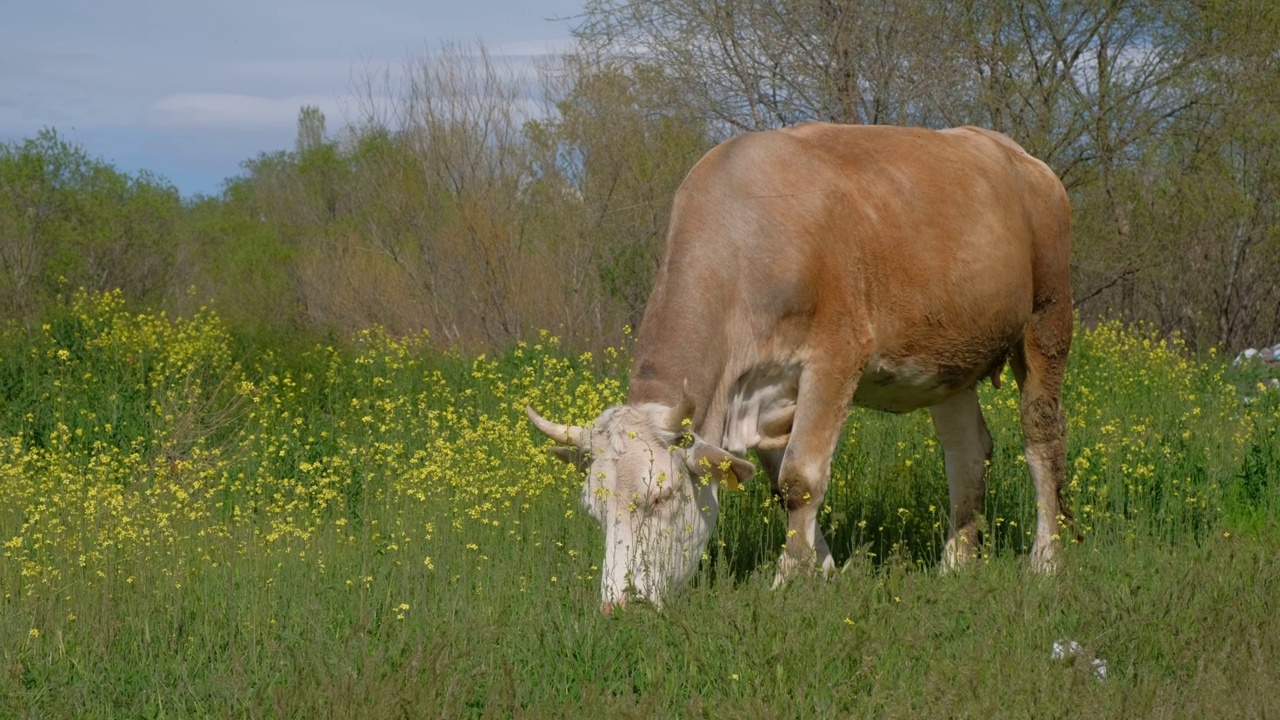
{"points": [[1070, 649]]}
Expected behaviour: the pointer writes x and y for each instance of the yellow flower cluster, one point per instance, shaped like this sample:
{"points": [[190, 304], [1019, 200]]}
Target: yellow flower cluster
{"points": [[1153, 434], [138, 450], [137, 453]]}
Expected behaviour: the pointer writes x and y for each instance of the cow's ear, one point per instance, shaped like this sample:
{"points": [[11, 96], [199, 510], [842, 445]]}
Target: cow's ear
{"points": [[572, 455], [722, 466]]}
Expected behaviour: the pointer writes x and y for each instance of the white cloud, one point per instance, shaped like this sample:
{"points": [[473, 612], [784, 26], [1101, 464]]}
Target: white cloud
{"points": [[299, 72], [228, 110], [534, 48], [190, 90]]}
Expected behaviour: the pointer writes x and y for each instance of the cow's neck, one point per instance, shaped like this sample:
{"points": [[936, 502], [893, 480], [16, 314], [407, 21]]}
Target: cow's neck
{"points": [[680, 347]]}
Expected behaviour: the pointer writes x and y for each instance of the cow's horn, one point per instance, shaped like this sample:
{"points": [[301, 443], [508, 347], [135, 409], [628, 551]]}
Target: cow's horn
{"points": [[681, 412], [563, 434]]}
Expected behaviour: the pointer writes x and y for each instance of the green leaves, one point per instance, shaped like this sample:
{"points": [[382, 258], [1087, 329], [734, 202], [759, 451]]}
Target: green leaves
{"points": [[67, 218]]}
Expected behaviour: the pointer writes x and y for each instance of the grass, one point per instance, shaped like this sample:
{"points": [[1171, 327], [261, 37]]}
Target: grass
{"points": [[190, 529]]}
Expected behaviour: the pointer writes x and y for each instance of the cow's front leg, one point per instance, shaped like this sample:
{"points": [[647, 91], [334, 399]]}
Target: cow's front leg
{"points": [[966, 447], [821, 408]]}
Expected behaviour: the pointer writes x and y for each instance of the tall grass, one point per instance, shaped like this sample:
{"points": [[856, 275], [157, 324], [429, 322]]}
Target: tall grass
{"points": [[371, 529]]}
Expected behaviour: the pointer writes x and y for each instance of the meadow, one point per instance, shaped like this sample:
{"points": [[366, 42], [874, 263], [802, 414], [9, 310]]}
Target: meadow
{"points": [[198, 526]]}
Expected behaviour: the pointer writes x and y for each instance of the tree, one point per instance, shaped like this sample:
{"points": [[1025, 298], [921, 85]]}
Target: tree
{"points": [[1206, 195], [755, 64], [68, 218], [310, 129], [623, 161]]}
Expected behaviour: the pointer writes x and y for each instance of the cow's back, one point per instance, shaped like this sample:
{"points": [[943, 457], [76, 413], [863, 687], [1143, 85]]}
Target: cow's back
{"points": [[926, 246]]}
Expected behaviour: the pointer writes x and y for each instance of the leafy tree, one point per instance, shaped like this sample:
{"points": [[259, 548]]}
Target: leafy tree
{"points": [[67, 218], [618, 163], [310, 129]]}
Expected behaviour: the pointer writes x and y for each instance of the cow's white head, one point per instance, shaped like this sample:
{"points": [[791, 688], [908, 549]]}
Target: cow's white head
{"points": [[653, 486]]}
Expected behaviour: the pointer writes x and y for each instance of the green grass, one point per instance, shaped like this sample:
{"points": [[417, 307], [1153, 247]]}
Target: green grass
{"points": [[194, 529]]}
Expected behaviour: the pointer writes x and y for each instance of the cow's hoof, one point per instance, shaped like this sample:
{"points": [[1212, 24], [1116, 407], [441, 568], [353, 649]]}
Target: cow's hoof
{"points": [[1046, 560], [790, 568]]}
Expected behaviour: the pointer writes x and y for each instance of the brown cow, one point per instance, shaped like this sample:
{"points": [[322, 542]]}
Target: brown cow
{"points": [[813, 268]]}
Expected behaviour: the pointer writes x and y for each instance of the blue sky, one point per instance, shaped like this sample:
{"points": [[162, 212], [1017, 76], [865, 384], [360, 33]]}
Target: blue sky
{"points": [[191, 89]]}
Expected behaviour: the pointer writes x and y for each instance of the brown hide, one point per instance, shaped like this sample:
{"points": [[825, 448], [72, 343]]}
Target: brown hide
{"points": [[906, 261]]}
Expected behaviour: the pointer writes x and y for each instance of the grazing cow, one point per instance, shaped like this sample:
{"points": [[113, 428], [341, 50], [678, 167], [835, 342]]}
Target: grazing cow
{"points": [[809, 269]]}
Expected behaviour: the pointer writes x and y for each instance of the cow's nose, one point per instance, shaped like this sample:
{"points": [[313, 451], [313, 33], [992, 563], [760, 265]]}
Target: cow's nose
{"points": [[610, 606]]}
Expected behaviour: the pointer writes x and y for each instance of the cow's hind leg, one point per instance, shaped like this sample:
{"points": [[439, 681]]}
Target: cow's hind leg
{"points": [[821, 408], [966, 446], [1039, 366]]}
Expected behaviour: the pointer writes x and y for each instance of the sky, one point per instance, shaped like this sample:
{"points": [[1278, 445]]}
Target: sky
{"points": [[189, 90]]}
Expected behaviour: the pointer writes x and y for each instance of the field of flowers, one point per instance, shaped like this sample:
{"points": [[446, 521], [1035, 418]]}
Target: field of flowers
{"points": [[191, 527]]}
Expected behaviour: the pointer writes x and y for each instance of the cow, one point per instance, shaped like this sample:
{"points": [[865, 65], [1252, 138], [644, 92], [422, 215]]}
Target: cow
{"points": [[814, 268]]}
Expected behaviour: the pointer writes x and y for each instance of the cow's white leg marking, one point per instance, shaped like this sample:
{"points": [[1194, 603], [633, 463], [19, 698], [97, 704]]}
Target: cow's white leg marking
{"points": [[1044, 551], [966, 446]]}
